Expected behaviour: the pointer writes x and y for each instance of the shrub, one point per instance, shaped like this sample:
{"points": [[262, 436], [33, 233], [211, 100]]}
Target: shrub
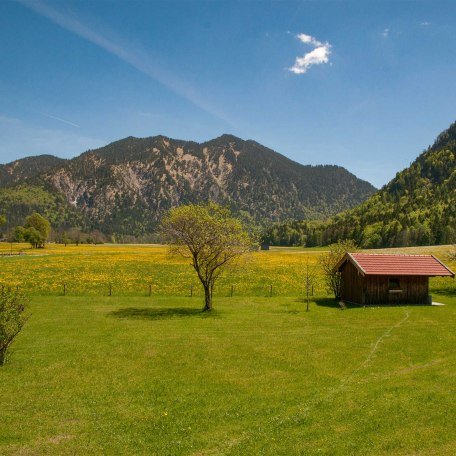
{"points": [[12, 319], [328, 263]]}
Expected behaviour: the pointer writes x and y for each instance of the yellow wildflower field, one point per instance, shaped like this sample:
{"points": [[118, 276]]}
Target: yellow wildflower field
{"points": [[132, 269]]}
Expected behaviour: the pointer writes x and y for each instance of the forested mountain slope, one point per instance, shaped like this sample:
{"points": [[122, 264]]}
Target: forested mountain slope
{"points": [[417, 207], [23, 169]]}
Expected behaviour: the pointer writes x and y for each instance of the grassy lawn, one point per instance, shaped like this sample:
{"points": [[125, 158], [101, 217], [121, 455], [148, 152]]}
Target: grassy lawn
{"points": [[138, 375], [132, 374]]}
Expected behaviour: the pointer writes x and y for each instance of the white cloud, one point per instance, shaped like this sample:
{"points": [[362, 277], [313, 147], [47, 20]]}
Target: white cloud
{"points": [[425, 23], [318, 56], [308, 39], [385, 33]]}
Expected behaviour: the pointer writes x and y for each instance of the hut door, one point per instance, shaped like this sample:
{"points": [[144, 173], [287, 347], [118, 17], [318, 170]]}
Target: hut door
{"points": [[394, 291]]}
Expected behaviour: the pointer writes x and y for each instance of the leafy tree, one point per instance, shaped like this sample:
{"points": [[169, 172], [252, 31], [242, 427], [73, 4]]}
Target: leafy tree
{"points": [[33, 236], [12, 319], [208, 235], [18, 234], [328, 262], [96, 237], [75, 235], [37, 230], [65, 239]]}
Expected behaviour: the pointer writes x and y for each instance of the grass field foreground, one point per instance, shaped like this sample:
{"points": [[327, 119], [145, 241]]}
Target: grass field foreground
{"points": [[125, 375], [153, 375]]}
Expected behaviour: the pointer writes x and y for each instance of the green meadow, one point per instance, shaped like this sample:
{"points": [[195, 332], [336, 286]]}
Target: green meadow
{"points": [[133, 374]]}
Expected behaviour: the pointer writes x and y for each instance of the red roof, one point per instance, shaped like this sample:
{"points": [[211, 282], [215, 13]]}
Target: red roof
{"points": [[398, 265]]}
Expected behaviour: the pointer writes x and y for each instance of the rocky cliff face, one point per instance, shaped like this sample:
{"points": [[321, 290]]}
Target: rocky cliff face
{"points": [[126, 186]]}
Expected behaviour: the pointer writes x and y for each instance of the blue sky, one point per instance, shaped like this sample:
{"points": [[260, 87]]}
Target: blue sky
{"points": [[365, 85]]}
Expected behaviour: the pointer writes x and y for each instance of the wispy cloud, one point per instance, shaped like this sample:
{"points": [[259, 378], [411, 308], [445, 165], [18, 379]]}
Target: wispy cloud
{"points": [[8, 120], [425, 23], [60, 120], [317, 56], [385, 32], [134, 56]]}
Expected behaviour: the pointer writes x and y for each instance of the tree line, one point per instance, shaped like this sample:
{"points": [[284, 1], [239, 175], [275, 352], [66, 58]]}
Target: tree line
{"points": [[37, 231]]}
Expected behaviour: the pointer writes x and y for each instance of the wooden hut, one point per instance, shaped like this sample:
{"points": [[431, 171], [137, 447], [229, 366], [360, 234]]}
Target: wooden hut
{"points": [[368, 279]]}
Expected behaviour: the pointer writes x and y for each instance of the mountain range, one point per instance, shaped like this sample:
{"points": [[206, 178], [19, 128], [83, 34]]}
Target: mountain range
{"points": [[126, 186]]}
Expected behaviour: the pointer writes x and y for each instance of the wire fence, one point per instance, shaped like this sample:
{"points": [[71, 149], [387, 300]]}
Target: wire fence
{"points": [[151, 290]]}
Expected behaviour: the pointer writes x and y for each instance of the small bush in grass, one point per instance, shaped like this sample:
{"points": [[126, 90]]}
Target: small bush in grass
{"points": [[12, 319], [328, 262]]}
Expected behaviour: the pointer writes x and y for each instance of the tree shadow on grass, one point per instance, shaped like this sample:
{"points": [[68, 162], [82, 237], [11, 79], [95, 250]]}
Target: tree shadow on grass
{"points": [[333, 303], [163, 313]]}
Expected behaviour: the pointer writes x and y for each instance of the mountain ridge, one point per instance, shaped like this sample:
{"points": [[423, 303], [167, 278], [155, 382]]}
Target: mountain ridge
{"points": [[125, 186], [26, 167]]}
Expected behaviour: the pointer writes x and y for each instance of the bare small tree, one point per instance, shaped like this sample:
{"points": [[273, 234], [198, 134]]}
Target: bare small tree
{"points": [[12, 319], [210, 237], [452, 253], [328, 261], [309, 282]]}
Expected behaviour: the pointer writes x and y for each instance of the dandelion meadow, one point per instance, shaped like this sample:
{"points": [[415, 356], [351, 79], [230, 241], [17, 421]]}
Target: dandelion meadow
{"points": [[131, 269]]}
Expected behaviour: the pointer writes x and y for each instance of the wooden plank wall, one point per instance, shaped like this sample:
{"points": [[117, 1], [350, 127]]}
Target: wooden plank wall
{"points": [[352, 284], [415, 290]]}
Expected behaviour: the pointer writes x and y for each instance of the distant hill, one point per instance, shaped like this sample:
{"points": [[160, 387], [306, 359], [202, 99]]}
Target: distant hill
{"points": [[126, 186], [418, 207], [23, 169]]}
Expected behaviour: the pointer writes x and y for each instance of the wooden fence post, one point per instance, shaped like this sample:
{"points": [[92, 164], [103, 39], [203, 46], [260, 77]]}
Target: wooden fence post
{"points": [[191, 290], [307, 293], [232, 290], [270, 290], [64, 289], [110, 289]]}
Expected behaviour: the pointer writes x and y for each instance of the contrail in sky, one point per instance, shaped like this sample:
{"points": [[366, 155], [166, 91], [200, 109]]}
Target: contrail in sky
{"points": [[135, 57], [60, 119]]}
